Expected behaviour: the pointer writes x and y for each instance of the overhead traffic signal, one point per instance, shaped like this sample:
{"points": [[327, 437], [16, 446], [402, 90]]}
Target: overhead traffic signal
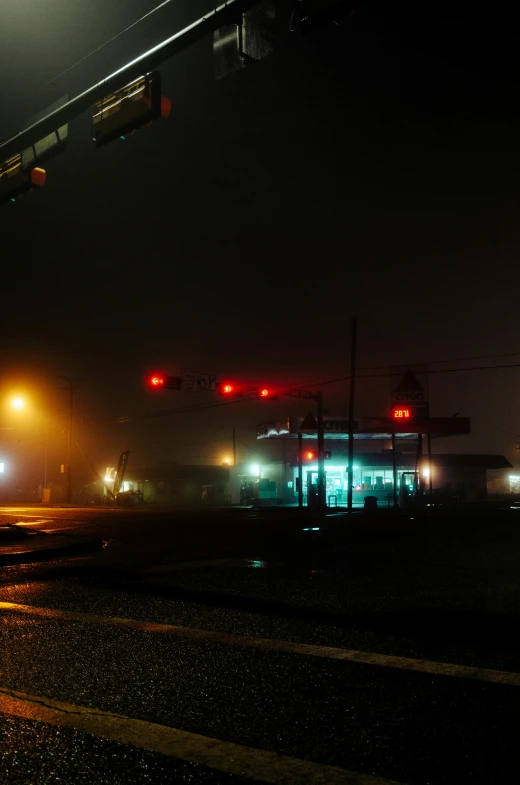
{"points": [[15, 182], [133, 106], [266, 392], [229, 389], [161, 381], [22, 172]]}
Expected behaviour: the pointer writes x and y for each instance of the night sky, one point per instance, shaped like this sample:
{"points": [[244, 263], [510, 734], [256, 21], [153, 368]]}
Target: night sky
{"points": [[368, 170]]}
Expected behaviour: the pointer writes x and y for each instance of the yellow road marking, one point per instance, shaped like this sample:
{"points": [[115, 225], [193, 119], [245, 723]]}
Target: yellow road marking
{"points": [[272, 644], [33, 523], [20, 512], [224, 756]]}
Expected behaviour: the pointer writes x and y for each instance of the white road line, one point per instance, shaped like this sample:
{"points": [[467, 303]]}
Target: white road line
{"points": [[225, 756], [286, 647]]}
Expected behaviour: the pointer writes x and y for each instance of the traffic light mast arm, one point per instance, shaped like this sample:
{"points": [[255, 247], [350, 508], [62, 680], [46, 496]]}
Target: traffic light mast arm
{"points": [[224, 14]]}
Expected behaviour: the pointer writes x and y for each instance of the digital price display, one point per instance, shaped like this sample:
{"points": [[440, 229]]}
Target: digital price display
{"points": [[403, 414]]}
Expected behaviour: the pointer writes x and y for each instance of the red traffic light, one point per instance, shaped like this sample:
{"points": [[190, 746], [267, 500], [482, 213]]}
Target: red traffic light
{"points": [[156, 381], [266, 392], [161, 381], [310, 455], [229, 388]]}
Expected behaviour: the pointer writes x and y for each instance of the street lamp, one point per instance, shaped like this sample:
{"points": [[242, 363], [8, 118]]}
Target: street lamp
{"points": [[18, 403]]}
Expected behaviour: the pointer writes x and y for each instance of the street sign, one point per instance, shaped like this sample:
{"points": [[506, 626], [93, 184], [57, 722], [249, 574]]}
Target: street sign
{"points": [[301, 394], [208, 381]]}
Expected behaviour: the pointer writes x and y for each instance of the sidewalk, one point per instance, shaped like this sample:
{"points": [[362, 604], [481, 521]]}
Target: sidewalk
{"points": [[21, 546]]}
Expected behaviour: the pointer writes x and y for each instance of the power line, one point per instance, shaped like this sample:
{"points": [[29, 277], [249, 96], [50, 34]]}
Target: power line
{"points": [[110, 40], [467, 359], [439, 370], [197, 407]]}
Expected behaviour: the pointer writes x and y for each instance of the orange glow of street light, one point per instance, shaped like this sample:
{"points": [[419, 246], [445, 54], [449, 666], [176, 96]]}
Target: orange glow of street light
{"points": [[18, 403]]}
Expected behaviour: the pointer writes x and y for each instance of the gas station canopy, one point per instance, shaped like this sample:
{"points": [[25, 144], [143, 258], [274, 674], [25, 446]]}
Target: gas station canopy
{"points": [[364, 428]]}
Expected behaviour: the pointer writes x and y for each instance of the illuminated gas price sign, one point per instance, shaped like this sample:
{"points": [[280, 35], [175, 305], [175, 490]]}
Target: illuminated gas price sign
{"points": [[403, 414]]}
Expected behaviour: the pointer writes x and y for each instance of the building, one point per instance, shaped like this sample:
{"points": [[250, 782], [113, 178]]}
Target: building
{"points": [[461, 477], [374, 474], [171, 484]]}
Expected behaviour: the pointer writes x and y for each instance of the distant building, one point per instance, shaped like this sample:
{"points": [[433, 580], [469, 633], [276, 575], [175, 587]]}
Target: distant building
{"points": [[464, 477], [174, 484]]}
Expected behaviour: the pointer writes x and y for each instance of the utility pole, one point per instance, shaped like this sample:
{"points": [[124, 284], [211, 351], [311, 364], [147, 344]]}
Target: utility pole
{"points": [[429, 445], [322, 500], [394, 466], [72, 386], [350, 471], [300, 470], [45, 461]]}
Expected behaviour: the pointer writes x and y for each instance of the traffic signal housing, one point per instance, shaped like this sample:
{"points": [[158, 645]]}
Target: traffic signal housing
{"points": [[161, 381], [133, 106], [22, 172], [266, 393], [229, 389], [15, 182]]}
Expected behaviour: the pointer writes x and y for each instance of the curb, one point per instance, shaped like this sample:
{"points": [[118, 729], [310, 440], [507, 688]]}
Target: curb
{"points": [[32, 555]]}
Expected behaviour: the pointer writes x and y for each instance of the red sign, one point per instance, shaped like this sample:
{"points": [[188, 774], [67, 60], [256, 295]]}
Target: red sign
{"points": [[402, 414]]}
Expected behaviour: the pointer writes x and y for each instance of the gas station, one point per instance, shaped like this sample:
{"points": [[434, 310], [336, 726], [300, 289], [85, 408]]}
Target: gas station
{"points": [[400, 470]]}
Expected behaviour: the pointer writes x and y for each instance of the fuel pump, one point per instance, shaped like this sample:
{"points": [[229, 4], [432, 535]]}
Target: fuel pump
{"points": [[409, 488]]}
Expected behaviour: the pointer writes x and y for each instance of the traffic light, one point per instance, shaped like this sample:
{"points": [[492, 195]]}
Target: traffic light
{"points": [[124, 111], [266, 392], [22, 172], [229, 389], [314, 13], [312, 455], [15, 182], [161, 381]]}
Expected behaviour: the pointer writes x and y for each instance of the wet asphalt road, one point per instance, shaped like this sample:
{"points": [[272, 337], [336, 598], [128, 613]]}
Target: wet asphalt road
{"points": [[445, 591]]}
